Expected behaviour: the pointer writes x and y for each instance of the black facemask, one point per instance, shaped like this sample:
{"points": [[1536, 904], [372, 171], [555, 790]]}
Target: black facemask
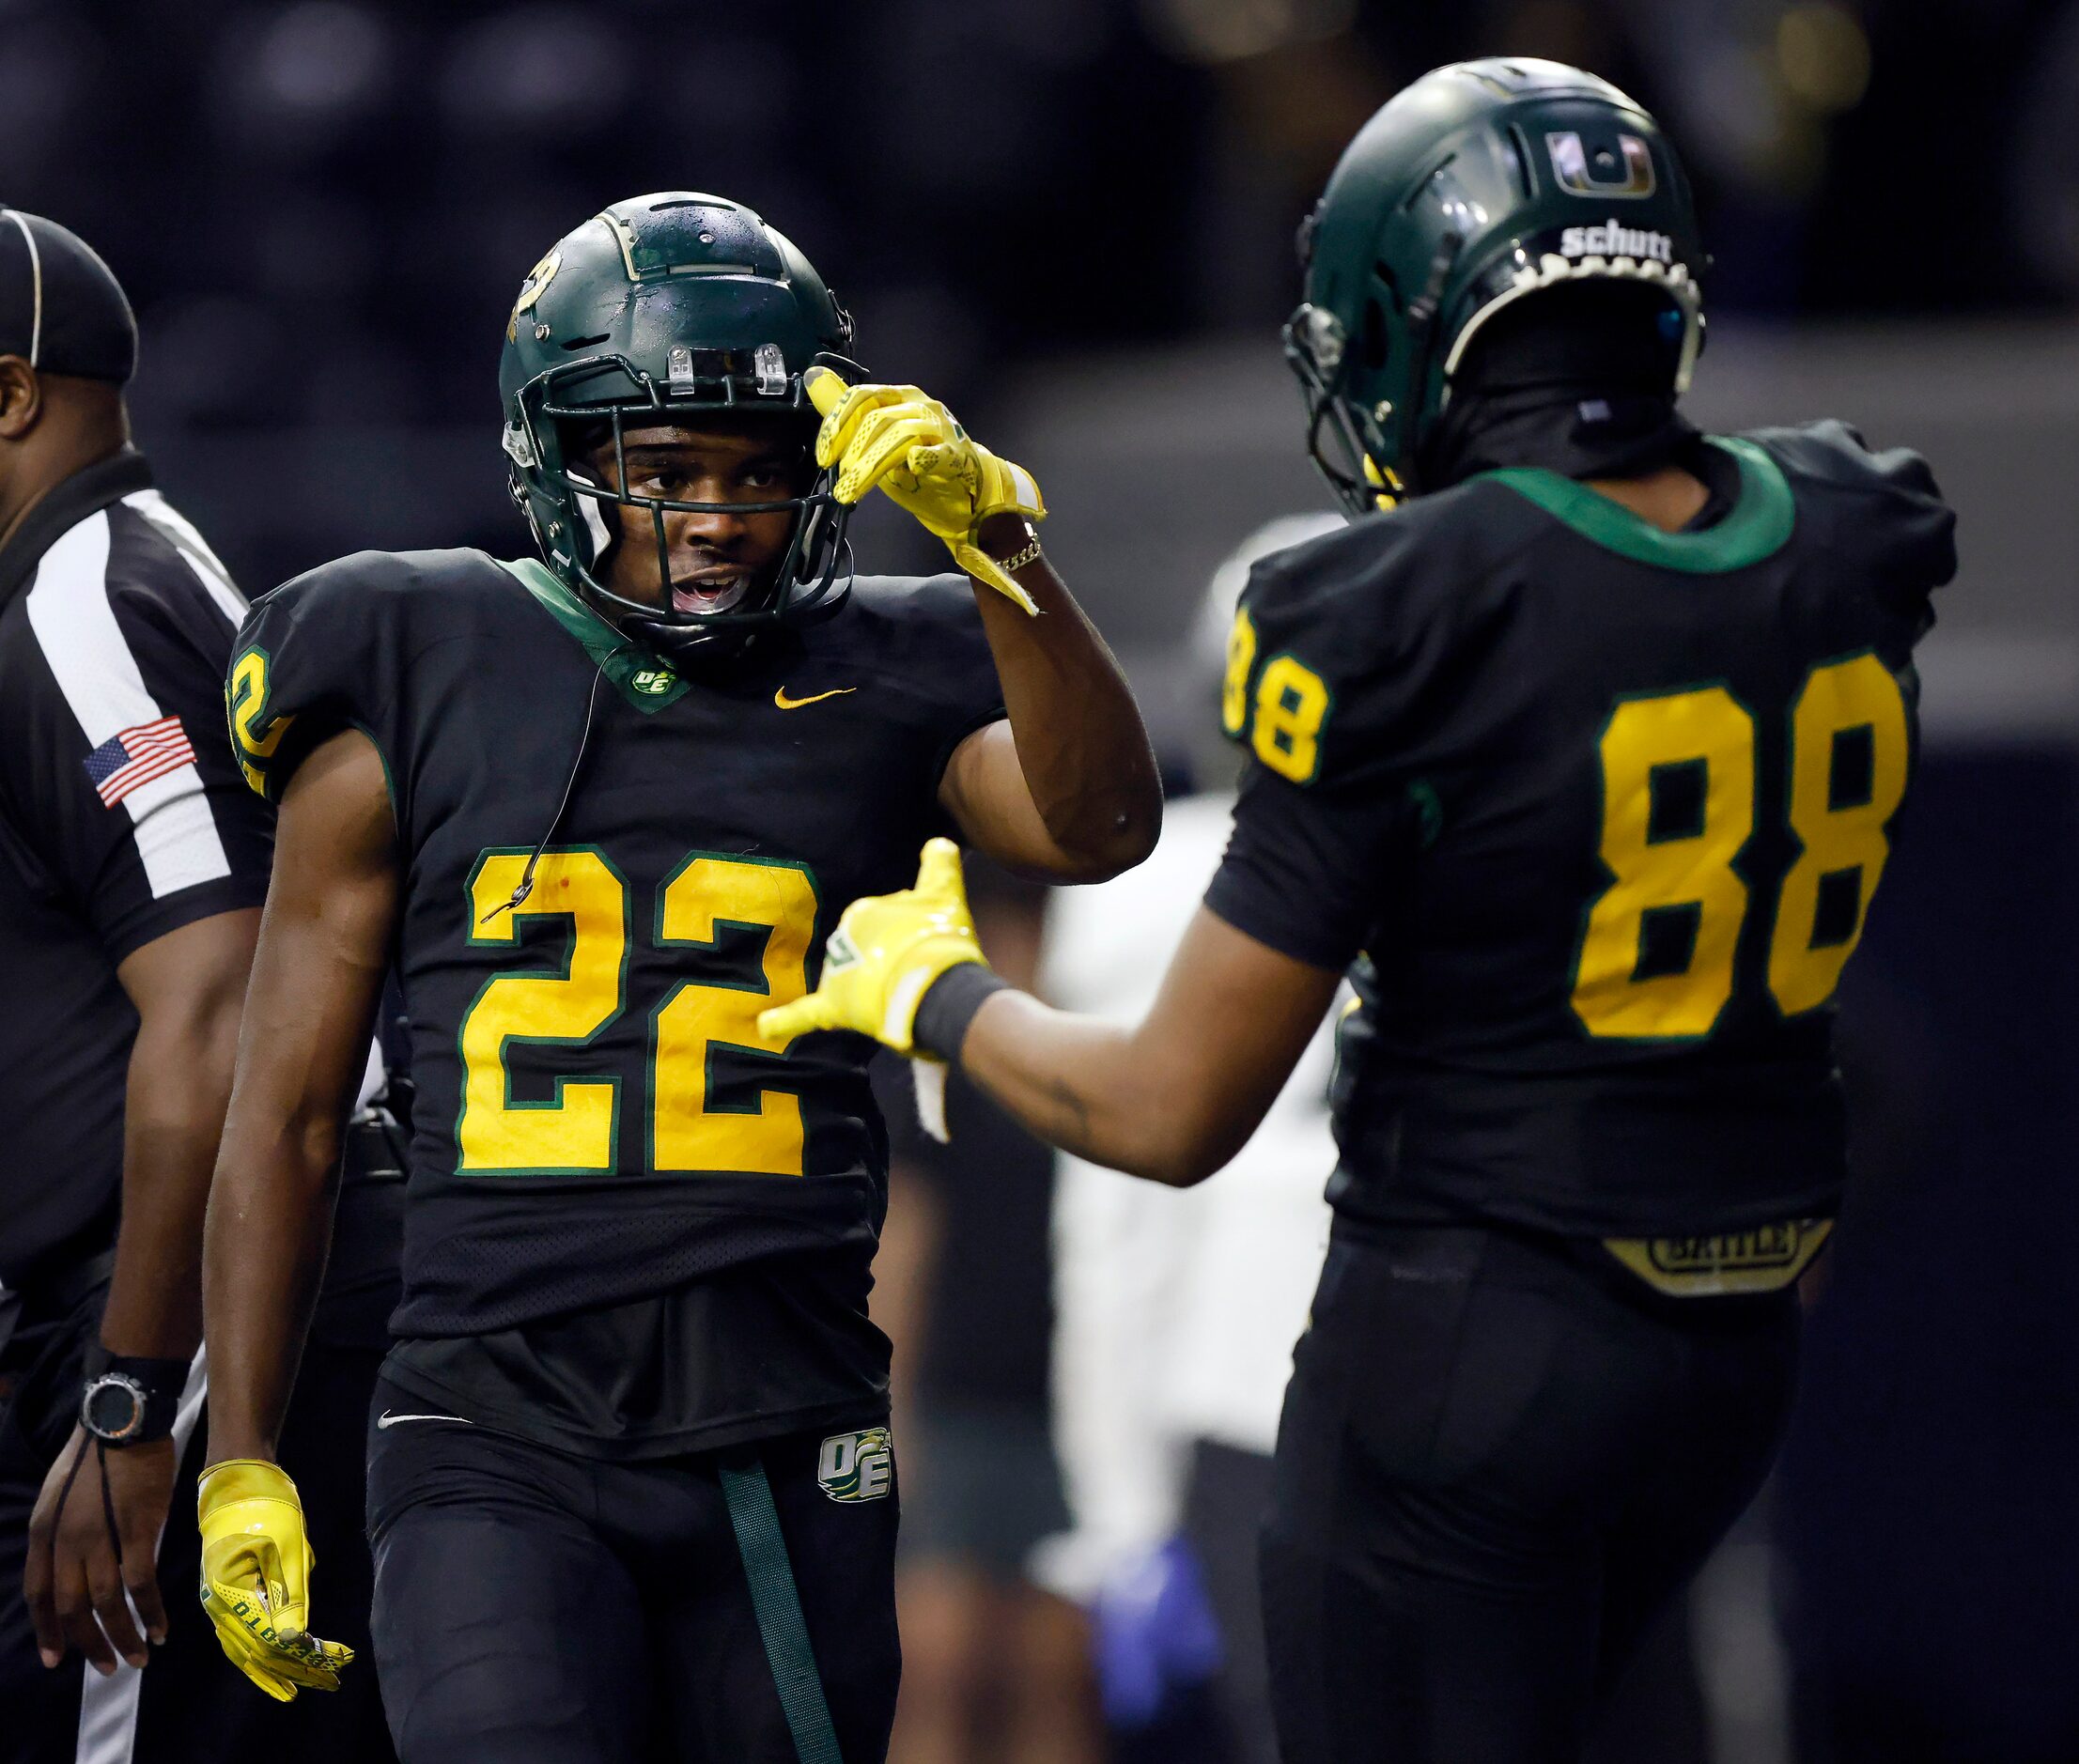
{"points": [[1579, 380]]}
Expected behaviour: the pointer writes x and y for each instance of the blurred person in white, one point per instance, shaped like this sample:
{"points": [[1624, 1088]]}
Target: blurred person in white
{"points": [[995, 1666], [1176, 1310]]}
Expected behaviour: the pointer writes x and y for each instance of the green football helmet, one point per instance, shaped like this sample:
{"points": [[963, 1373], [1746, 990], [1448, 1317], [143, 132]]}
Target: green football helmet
{"points": [[670, 307], [1479, 185]]}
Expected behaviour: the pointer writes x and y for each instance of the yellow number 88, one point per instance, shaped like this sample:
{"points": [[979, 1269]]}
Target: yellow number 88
{"points": [[1291, 704], [1667, 863], [1658, 947]]}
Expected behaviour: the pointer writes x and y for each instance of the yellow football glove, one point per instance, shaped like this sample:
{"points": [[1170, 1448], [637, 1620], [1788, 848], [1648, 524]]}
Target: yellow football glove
{"points": [[911, 446], [255, 1579], [883, 956]]}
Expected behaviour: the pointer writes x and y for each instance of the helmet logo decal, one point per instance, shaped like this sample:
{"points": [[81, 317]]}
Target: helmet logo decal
{"points": [[1614, 239], [1578, 177], [533, 287]]}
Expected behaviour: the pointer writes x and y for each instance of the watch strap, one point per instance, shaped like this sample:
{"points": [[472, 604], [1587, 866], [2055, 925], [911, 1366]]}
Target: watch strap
{"points": [[161, 1380]]}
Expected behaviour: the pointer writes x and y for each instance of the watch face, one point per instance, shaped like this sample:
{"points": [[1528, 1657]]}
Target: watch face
{"points": [[114, 1408]]}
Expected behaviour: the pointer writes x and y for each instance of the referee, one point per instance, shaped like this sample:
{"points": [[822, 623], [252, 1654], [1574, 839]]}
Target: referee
{"points": [[133, 864]]}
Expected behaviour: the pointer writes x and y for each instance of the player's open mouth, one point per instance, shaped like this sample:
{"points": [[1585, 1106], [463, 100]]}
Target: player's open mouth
{"points": [[708, 594]]}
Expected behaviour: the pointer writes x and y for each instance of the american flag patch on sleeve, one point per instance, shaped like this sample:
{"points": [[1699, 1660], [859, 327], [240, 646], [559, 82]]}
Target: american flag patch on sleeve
{"points": [[135, 756]]}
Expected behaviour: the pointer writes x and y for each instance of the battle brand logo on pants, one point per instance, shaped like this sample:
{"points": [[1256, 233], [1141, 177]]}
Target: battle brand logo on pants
{"points": [[856, 1466]]}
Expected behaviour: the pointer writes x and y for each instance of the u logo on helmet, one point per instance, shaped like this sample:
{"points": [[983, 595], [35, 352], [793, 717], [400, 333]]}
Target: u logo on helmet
{"points": [[533, 287], [1578, 176]]}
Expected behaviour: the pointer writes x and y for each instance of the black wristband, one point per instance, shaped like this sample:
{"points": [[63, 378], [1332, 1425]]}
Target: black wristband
{"points": [[949, 1006]]}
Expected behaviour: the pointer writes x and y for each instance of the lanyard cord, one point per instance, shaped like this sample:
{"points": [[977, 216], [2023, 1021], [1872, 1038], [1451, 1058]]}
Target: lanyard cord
{"points": [[108, 1500], [569, 785]]}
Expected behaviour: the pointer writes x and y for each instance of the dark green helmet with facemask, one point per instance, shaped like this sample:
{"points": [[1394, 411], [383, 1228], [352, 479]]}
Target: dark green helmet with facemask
{"points": [[1477, 186], [670, 309]]}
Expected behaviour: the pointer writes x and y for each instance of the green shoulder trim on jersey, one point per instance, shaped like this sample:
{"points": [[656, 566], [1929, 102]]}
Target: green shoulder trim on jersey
{"points": [[644, 681], [1757, 526]]}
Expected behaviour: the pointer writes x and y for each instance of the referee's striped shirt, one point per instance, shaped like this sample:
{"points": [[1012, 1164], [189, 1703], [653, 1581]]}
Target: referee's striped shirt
{"points": [[122, 818]]}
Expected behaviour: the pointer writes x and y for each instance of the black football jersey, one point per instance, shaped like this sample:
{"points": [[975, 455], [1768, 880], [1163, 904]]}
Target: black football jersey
{"points": [[1595, 812], [630, 1218]]}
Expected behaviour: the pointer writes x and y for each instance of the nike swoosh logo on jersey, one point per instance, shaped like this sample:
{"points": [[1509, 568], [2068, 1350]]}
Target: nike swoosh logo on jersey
{"points": [[387, 1420], [780, 697]]}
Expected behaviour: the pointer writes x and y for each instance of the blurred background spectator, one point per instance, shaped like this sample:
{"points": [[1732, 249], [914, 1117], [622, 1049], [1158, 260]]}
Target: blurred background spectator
{"points": [[1073, 219], [1178, 1310], [324, 207], [995, 1666]]}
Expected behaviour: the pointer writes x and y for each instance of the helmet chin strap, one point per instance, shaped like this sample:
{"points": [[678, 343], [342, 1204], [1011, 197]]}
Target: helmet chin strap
{"points": [[682, 644]]}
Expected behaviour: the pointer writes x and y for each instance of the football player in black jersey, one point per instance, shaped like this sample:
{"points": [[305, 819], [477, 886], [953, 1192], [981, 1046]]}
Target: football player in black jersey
{"points": [[1580, 748], [631, 1487]]}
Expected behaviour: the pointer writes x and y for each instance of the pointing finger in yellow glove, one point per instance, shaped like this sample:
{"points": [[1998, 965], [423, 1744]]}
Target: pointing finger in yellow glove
{"points": [[883, 956], [909, 445], [255, 1579]]}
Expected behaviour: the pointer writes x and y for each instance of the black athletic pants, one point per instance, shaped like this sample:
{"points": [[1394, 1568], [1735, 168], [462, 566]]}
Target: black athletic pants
{"points": [[1497, 1460], [189, 1704], [534, 1607]]}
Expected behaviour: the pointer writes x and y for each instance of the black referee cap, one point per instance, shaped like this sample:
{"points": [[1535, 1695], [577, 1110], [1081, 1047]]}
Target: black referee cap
{"points": [[61, 308]]}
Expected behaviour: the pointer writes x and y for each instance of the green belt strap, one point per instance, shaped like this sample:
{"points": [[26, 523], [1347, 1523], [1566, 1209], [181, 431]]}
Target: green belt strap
{"points": [[778, 1605]]}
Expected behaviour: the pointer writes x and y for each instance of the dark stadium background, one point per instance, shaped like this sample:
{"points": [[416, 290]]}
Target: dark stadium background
{"points": [[1073, 219]]}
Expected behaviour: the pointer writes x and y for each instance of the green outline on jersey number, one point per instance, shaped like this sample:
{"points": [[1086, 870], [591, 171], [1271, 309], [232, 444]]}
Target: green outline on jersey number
{"points": [[658, 940], [248, 758], [506, 1071]]}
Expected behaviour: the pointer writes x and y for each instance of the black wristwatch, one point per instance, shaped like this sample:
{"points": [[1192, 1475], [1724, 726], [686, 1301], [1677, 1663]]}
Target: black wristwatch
{"points": [[131, 1401]]}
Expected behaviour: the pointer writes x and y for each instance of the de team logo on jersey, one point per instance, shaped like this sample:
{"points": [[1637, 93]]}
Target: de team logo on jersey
{"points": [[856, 1466]]}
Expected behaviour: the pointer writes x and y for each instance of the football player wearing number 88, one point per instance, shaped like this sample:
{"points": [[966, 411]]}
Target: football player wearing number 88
{"points": [[1580, 750], [631, 1491]]}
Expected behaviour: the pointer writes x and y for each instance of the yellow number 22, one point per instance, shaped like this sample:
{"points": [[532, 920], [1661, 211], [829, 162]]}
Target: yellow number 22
{"points": [[687, 1132], [577, 1129]]}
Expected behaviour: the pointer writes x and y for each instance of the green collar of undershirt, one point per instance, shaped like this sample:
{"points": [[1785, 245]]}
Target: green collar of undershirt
{"points": [[1756, 527], [644, 681]]}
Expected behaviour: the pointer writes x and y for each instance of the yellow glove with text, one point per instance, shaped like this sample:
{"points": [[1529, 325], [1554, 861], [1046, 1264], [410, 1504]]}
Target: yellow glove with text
{"points": [[883, 956], [910, 446], [255, 1579]]}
